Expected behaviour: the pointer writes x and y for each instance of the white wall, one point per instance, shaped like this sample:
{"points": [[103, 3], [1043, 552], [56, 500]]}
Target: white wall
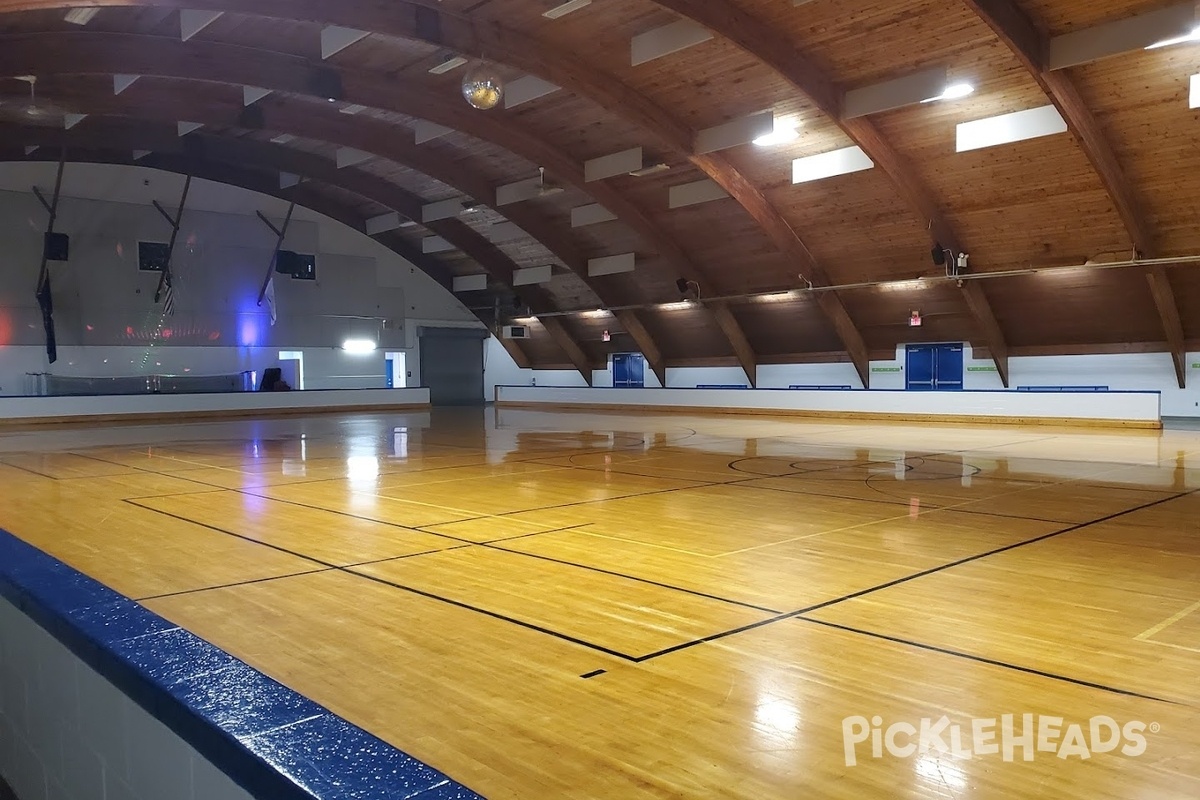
{"points": [[66, 733], [1127, 372], [104, 308]]}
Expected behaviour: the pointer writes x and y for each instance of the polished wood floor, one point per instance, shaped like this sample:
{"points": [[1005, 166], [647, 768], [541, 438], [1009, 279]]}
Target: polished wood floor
{"points": [[569, 605]]}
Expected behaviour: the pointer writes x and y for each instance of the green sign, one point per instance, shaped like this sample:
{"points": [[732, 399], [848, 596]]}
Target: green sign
{"points": [[981, 369], [887, 369], [1195, 366]]}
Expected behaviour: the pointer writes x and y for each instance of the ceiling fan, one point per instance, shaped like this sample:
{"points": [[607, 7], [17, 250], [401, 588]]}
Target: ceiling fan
{"points": [[30, 110], [545, 189]]}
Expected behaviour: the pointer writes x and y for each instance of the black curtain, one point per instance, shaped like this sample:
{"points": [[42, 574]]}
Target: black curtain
{"points": [[46, 302]]}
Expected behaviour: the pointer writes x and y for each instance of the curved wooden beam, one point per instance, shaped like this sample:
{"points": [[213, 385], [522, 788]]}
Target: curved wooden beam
{"points": [[263, 183], [372, 136], [141, 55], [1030, 45], [765, 43]]}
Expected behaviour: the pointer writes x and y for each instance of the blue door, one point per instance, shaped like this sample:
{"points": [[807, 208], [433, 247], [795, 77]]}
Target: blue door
{"points": [[918, 368], [390, 369], [934, 367], [948, 373], [628, 370]]}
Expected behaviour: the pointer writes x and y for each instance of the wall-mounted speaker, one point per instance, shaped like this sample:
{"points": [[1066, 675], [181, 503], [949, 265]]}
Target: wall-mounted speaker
{"points": [[56, 246]]}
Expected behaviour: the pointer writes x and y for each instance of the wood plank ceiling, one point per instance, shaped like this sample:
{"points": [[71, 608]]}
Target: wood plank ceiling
{"points": [[1121, 182]]}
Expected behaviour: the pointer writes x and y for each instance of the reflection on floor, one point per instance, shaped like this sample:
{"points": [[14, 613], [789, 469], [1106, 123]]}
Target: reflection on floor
{"points": [[598, 605]]}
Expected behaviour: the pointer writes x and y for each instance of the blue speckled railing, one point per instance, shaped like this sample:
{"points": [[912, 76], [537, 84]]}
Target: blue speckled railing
{"points": [[271, 741]]}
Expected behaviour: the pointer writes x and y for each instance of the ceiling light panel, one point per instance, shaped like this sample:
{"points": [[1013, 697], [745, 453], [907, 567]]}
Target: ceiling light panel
{"points": [[454, 62]]}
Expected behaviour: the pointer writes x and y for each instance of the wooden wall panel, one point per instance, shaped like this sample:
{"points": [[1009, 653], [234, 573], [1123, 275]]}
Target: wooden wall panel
{"points": [[783, 328]]}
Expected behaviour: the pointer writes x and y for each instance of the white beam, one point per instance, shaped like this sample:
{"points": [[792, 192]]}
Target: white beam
{"points": [[426, 131], [435, 244], [252, 94], [123, 82], [532, 275], [742, 130], [690, 194], [831, 164], [611, 265], [582, 216], [470, 283], [1008, 128], [383, 223], [348, 157], [443, 209], [335, 39], [907, 90], [621, 163], [526, 88], [1121, 36], [192, 22], [666, 39]]}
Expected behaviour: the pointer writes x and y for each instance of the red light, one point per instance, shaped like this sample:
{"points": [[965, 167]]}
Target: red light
{"points": [[914, 321], [129, 330], [607, 336], [166, 334]]}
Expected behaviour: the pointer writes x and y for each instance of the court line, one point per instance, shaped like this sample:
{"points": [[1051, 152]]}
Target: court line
{"points": [[991, 661], [230, 585], [495, 615], [535, 533], [1171, 644], [1171, 620], [914, 576]]}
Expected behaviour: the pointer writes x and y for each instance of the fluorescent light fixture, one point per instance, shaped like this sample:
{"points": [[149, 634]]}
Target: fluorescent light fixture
{"points": [[784, 132], [652, 169], [352, 109], [1190, 37], [831, 164], [358, 346], [82, 16], [566, 8], [1194, 98], [682, 305], [777, 297], [453, 62], [953, 92], [599, 312]]}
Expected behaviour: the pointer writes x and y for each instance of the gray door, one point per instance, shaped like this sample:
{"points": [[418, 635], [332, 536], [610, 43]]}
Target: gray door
{"points": [[452, 365]]}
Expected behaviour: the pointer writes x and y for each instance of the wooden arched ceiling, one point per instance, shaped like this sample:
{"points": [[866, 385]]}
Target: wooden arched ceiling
{"points": [[1044, 202]]}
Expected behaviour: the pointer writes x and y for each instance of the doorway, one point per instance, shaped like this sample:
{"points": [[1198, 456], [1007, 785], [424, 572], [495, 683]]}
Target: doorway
{"points": [[452, 365], [629, 371], [934, 368]]}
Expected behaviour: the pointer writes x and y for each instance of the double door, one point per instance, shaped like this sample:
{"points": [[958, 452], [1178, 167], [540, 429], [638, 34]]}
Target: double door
{"points": [[934, 368]]}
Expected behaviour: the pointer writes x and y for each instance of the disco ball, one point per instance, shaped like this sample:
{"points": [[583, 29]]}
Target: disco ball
{"points": [[483, 89]]}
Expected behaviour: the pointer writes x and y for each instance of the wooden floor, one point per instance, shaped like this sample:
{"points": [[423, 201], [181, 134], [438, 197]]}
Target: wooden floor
{"points": [[569, 605]]}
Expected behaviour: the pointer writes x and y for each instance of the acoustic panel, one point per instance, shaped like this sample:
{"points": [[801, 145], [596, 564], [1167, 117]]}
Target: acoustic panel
{"points": [[526, 88], [443, 209], [1121, 36], [335, 39], [531, 275], [694, 193], [435, 244], [742, 130], [831, 164], [896, 93], [1008, 128], [667, 39], [622, 163], [592, 214], [469, 283], [611, 265]]}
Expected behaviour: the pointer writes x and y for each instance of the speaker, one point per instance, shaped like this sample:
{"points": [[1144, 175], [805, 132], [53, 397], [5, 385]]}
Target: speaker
{"points": [[939, 255], [302, 266], [682, 285], [56, 246]]}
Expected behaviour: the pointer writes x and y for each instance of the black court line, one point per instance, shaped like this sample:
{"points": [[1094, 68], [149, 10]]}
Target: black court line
{"points": [[30, 471], [902, 503], [496, 615], [406, 555], [593, 673], [230, 585], [993, 662], [535, 533], [914, 576]]}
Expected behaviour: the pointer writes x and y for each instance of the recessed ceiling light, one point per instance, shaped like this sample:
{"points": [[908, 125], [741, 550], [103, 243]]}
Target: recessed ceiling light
{"points": [[784, 132], [1191, 37], [953, 92]]}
